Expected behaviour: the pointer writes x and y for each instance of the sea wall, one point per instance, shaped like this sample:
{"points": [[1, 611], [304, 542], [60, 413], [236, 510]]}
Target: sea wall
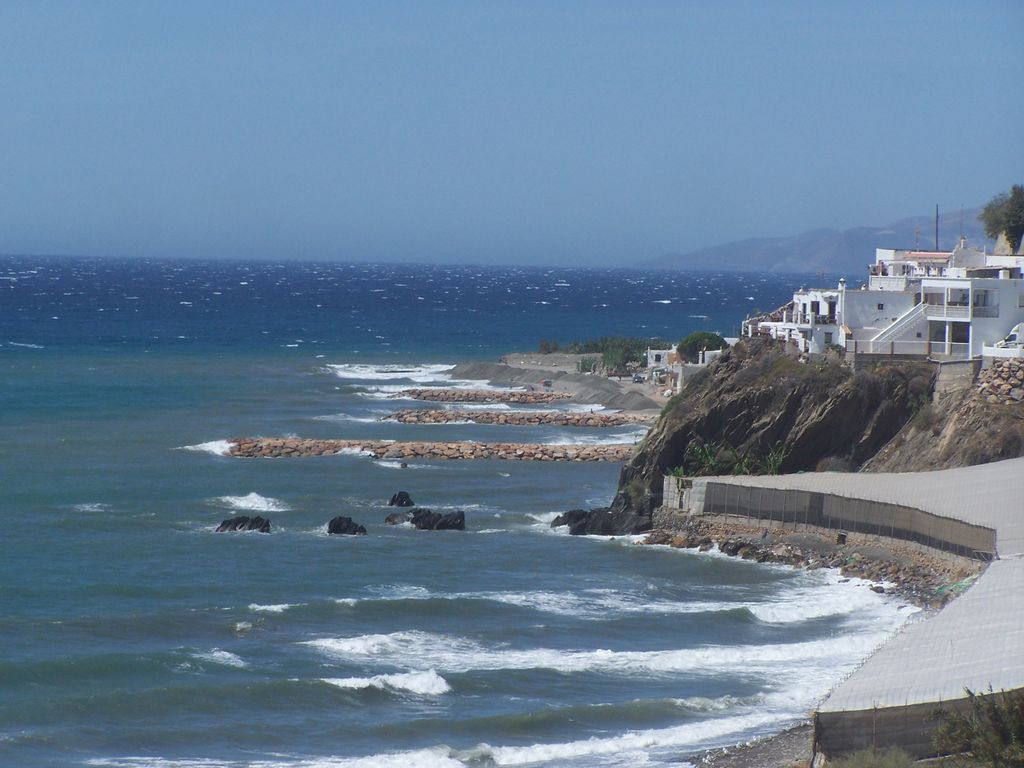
{"points": [[519, 418], [294, 447], [484, 396], [831, 513]]}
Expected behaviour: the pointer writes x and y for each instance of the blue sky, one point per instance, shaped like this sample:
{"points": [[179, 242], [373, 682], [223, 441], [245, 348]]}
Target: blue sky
{"points": [[509, 132]]}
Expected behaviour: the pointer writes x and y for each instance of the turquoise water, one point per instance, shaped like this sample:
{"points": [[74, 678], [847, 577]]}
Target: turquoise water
{"points": [[131, 634]]}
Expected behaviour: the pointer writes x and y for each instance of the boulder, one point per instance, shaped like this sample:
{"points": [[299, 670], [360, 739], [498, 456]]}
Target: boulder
{"points": [[397, 518], [243, 523], [401, 499], [571, 518], [428, 520], [343, 526]]}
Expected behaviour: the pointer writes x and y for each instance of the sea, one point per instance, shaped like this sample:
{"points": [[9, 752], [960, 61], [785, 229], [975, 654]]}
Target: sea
{"points": [[132, 634]]}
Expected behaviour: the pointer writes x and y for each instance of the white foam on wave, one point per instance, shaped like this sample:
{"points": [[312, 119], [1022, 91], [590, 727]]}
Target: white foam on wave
{"points": [[633, 747], [368, 372], [216, 447], [252, 502], [431, 757], [91, 507], [576, 438], [218, 656], [273, 608], [824, 659], [389, 464], [426, 683], [25, 345], [345, 417]]}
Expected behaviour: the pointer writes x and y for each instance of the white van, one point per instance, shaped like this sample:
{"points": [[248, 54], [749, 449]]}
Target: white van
{"points": [[1014, 337]]}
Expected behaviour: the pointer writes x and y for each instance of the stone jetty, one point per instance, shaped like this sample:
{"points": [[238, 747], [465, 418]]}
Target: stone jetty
{"points": [[280, 447], [520, 418], [525, 397]]}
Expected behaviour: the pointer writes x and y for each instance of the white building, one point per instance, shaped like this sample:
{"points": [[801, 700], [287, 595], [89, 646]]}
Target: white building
{"points": [[940, 304]]}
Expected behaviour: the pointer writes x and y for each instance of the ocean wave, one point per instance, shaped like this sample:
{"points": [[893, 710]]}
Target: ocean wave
{"points": [[389, 464], [367, 372], [218, 656], [91, 507], [576, 438], [216, 447], [273, 608], [25, 345], [457, 654], [252, 502], [426, 683], [431, 757]]}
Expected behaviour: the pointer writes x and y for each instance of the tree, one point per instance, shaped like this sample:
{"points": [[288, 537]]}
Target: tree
{"points": [[690, 347], [1005, 214]]}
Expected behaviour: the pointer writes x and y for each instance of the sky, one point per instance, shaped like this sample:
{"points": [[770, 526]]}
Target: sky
{"points": [[559, 132]]}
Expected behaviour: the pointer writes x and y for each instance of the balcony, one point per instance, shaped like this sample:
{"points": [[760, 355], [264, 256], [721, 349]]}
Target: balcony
{"points": [[948, 312]]}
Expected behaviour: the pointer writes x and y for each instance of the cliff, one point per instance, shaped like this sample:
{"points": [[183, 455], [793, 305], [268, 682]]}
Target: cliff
{"points": [[974, 426], [758, 404]]}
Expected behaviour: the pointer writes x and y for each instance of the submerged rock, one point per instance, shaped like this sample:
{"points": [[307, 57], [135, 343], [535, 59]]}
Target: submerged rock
{"points": [[344, 526], [397, 518], [243, 523]]}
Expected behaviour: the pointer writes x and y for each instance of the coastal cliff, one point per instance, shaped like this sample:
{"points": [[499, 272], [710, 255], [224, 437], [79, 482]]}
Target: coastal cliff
{"points": [[976, 425], [757, 400]]}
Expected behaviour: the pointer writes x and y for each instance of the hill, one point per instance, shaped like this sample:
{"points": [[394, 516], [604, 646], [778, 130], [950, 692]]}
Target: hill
{"points": [[847, 252]]}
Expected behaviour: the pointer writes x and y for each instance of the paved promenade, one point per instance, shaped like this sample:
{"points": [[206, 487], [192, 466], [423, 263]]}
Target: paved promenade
{"points": [[975, 642]]}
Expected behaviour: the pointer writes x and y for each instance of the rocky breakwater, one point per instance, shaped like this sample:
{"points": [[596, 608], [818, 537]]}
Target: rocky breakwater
{"points": [[289, 447], [523, 397], [519, 418], [909, 573]]}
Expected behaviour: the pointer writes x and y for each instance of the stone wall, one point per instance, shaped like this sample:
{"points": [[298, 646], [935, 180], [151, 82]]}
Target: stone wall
{"points": [[1003, 382]]}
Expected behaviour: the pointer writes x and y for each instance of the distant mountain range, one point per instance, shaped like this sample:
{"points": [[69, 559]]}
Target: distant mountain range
{"points": [[847, 253]]}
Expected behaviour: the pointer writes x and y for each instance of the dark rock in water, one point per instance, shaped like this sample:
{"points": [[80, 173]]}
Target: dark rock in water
{"points": [[401, 499], [428, 520], [243, 523], [397, 518], [343, 526], [571, 518], [603, 521]]}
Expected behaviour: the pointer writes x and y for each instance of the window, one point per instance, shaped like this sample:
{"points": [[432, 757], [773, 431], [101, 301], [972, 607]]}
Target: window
{"points": [[828, 337], [881, 306]]}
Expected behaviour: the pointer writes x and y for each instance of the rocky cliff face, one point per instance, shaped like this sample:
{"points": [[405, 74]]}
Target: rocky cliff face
{"points": [[982, 424], [756, 399]]}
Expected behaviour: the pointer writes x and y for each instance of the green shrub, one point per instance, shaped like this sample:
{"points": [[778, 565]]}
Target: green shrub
{"points": [[870, 758], [990, 730]]}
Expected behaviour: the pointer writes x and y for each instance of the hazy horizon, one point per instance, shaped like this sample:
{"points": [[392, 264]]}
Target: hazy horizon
{"points": [[572, 134]]}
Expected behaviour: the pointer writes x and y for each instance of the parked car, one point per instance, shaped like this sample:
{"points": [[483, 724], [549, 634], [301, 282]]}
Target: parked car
{"points": [[638, 378]]}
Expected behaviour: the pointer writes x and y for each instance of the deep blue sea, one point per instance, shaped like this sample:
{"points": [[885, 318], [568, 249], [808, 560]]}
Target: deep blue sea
{"points": [[132, 634]]}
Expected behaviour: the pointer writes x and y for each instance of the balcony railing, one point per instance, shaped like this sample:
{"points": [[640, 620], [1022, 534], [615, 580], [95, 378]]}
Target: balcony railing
{"points": [[986, 311], [934, 349], [948, 312]]}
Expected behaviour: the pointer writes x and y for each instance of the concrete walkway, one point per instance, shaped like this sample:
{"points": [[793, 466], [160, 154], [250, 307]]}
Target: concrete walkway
{"points": [[975, 642]]}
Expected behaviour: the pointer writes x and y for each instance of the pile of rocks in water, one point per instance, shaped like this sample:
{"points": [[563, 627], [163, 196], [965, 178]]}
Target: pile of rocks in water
{"points": [[484, 395], [421, 518], [282, 447], [924, 580], [519, 418], [243, 523], [1003, 382]]}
